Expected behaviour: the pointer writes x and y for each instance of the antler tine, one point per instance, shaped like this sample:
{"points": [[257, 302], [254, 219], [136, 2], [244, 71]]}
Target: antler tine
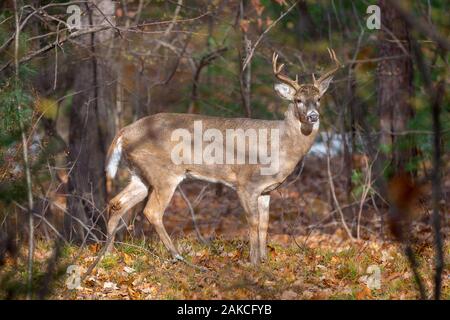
{"points": [[277, 71], [333, 70]]}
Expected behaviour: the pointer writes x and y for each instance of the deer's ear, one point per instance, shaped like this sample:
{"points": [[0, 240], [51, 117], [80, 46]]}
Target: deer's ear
{"points": [[323, 85], [285, 91]]}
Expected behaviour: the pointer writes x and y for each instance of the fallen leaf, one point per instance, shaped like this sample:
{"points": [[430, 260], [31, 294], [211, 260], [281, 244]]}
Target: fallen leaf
{"points": [[110, 286], [259, 8], [127, 259], [298, 283], [393, 276], [133, 294], [244, 24], [364, 293], [321, 295], [128, 270], [289, 295]]}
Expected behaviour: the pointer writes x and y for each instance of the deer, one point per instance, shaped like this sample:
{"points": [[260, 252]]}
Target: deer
{"points": [[147, 147]]}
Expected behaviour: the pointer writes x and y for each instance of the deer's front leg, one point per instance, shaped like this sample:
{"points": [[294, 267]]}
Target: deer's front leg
{"points": [[263, 209], [250, 204]]}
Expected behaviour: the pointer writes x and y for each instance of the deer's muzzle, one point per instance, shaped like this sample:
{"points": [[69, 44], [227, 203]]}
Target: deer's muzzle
{"points": [[312, 117]]}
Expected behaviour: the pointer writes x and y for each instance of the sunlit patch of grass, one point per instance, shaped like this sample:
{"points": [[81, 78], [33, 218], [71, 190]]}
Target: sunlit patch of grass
{"points": [[140, 264], [348, 270], [135, 249], [109, 261], [326, 256], [67, 251]]}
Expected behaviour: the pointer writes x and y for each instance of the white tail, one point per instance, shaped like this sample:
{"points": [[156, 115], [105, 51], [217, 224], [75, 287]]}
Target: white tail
{"points": [[114, 157]]}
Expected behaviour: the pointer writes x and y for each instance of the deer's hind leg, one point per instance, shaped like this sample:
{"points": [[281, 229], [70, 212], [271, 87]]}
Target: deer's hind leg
{"points": [[134, 192], [154, 210]]}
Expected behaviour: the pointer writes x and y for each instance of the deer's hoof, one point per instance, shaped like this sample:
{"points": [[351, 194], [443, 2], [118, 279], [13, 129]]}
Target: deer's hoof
{"points": [[177, 257]]}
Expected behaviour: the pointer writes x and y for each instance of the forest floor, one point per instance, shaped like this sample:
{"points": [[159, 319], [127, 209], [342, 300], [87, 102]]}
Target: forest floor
{"points": [[310, 254], [315, 267]]}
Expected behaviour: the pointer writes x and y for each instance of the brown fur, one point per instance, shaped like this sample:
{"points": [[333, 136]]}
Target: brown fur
{"points": [[147, 146]]}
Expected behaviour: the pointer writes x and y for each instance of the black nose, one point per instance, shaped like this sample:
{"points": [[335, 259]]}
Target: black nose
{"points": [[313, 117]]}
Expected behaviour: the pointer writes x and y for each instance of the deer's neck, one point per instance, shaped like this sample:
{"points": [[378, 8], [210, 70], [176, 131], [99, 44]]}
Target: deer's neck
{"points": [[298, 137]]}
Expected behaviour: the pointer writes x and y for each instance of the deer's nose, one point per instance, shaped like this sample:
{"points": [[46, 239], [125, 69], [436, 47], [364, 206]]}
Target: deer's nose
{"points": [[312, 116]]}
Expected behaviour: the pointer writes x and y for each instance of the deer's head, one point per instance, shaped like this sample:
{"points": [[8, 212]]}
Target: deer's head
{"points": [[304, 97]]}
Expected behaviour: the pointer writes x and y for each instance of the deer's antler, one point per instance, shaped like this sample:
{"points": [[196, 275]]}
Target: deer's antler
{"points": [[329, 73], [277, 71]]}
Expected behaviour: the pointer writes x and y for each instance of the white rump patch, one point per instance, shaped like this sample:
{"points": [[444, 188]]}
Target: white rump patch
{"points": [[114, 160]]}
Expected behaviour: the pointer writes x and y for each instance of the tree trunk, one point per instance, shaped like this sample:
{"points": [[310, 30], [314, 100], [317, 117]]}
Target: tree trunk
{"points": [[245, 76], [305, 24], [91, 126], [394, 84]]}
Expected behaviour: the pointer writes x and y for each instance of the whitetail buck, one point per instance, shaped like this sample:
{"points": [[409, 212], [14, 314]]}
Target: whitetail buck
{"points": [[148, 145]]}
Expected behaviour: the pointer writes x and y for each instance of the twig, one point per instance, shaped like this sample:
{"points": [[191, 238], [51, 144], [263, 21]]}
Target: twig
{"points": [[174, 19], [25, 158], [83, 225], [25, 21], [204, 61], [333, 192], [252, 50], [302, 165], [191, 210], [192, 265], [143, 249], [58, 42], [366, 189]]}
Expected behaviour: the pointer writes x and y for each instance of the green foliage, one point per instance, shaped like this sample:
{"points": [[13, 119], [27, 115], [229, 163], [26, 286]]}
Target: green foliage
{"points": [[11, 97], [10, 192], [357, 182]]}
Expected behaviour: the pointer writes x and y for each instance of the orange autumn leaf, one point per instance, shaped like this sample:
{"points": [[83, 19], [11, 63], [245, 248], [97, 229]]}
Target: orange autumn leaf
{"points": [[127, 259], [244, 24], [364, 293], [94, 248], [259, 8]]}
